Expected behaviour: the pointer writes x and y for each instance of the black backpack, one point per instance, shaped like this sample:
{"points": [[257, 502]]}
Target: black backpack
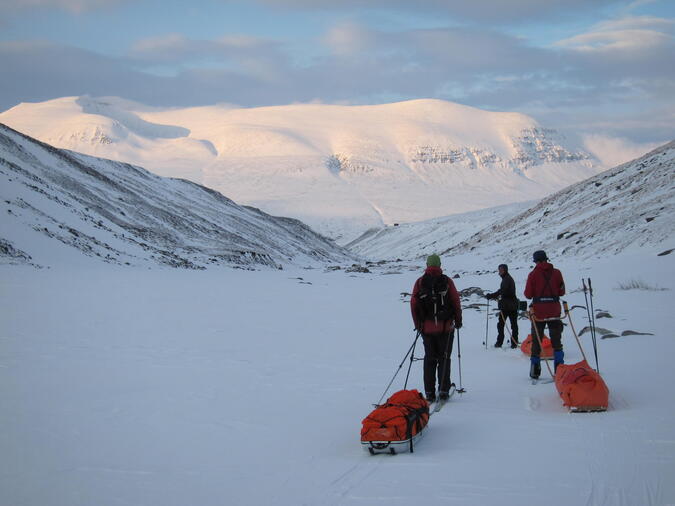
{"points": [[434, 300]]}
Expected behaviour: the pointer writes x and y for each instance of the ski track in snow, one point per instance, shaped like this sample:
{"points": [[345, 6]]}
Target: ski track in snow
{"points": [[136, 386]]}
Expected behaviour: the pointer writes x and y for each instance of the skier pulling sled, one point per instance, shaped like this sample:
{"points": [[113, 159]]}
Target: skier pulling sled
{"points": [[396, 425]]}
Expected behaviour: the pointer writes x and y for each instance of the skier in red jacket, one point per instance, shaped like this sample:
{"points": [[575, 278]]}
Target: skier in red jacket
{"points": [[437, 312], [545, 286]]}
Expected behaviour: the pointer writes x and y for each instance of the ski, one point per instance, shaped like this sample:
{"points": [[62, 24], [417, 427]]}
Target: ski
{"points": [[438, 405]]}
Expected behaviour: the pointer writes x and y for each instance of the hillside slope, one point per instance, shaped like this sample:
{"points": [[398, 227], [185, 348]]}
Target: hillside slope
{"points": [[341, 169], [628, 208], [60, 205], [414, 240]]}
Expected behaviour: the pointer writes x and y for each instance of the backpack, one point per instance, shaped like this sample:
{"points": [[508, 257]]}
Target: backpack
{"points": [[433, 298]]}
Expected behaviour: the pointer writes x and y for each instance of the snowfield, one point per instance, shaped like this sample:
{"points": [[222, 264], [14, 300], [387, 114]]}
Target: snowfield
{"points": [[137, 386]]}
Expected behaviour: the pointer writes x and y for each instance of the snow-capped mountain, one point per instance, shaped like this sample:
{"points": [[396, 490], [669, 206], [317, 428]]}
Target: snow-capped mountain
{"points": [[60, 204], [341, 169], [626, 208]]}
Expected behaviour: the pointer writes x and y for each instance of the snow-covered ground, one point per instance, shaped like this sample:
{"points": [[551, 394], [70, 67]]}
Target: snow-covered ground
{"points": [[132, 386]]}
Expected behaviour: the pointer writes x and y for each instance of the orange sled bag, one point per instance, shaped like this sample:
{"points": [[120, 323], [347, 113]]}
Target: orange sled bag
{"points": [[397, 424], [581, 388], [546, 347]]}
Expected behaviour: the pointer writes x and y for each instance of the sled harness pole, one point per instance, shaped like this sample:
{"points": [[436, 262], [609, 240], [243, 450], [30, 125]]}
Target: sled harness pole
{"points": [[595, 342], [487, 322], [412, 359], [576, 336], [412, 347], [503, 319], [459, 362], [536, 334]]}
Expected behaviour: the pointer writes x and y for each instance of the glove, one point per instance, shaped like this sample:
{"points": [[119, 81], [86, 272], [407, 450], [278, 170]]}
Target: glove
{"points": [[458, 325], [489, 296]]}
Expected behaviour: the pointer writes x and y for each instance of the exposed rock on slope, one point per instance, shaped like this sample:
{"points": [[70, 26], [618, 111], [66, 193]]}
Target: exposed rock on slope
{"points": [[629, 207]]}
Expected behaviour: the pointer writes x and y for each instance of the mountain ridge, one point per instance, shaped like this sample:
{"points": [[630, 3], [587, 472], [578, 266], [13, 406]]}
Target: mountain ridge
{"points": [[341, 169], [629, 207]]}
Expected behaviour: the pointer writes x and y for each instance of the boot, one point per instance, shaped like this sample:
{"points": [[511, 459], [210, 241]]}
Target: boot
{"points": [[431, 397], [514, 342], [499, 342], [558, 358], [535, 367]]}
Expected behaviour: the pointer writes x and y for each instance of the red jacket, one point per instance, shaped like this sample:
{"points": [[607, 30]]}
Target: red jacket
{"points": [[545, 282], [430, 326]]}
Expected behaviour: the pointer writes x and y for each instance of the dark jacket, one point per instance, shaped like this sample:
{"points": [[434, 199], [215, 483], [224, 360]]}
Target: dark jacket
{"points": [[507, 294], [430, 326], [545, 282]]}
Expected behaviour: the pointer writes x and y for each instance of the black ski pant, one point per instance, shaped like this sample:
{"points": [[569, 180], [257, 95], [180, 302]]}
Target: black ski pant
{"points": [[554, 333], [436, 348], [513, 320]]}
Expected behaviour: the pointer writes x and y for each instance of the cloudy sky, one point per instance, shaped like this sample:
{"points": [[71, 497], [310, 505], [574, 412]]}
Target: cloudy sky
{"points": [[602, 69]]}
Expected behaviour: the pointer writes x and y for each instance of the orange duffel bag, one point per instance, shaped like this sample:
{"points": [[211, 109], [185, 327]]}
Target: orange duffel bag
{"points": [[581, 388], [397, 424], [546, 347]]}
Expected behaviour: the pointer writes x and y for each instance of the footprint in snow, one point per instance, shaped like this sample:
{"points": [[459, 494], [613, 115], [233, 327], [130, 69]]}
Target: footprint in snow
{"points": [[532, 404]]}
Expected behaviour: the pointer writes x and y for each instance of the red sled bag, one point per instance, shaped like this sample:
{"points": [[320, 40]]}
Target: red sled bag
{"points": [[581, 388], [397, 424], [546, 347]]}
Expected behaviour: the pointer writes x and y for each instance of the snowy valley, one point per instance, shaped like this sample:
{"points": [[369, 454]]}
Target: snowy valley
{"points": [[131, 375]]}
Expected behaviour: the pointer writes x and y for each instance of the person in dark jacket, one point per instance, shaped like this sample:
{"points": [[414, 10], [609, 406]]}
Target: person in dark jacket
{"points": [[436, 312], [545, 286], [508, 306]]}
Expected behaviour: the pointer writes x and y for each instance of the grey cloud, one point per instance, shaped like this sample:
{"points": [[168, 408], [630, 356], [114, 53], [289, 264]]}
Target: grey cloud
{"points": [[74, 6], [173, 48], [482, 68], [495, 11]]}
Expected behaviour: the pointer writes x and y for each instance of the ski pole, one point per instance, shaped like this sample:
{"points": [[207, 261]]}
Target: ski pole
{"points": [[588, 315], [487, 321], [446, 363], [459, 362], [503, 319], [595, 342], [399, 367]]}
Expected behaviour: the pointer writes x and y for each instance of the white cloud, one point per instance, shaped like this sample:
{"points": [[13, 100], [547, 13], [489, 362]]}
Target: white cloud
{"points": [[348, 38], [613, 151], [632, 33]]}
